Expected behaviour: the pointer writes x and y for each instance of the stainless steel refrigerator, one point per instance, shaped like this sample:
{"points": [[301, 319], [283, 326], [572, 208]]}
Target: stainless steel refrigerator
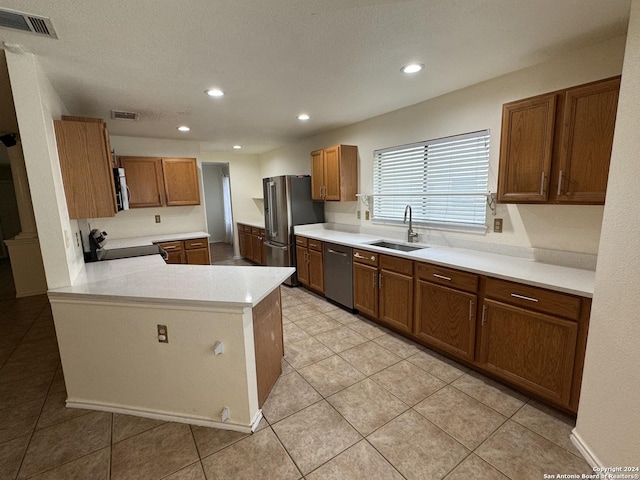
{"points": [[287, 202]]}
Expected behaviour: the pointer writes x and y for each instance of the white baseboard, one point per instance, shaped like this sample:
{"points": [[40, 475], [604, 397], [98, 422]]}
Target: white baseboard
{"points": [[584, 450], [168, 417]]}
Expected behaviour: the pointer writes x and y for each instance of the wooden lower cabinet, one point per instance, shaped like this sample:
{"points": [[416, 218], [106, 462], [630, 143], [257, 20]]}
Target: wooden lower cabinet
{"points": [[302, 264], [530, 349], [316, 271], [192, 252], [396, 300], [268, 343], [309, 262], [175, 252], [365, 289], [446, 318]]}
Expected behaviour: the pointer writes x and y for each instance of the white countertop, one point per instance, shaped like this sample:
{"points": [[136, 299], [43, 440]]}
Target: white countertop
{"points": [[562, 279], [142, 241], [149, 280]]}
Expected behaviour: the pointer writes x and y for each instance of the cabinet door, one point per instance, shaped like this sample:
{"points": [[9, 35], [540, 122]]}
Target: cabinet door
{"points": [[181, 181], [144, 181], [317, 175], [396, 300], [85, 163], [446, 318], [248, 244], [316, 271], [589, 122], [198, 256], [174, 250], [365, 289], [332, 173], [526, 147], [533, 350], [256, 249], [302, 262], [241, 241]]}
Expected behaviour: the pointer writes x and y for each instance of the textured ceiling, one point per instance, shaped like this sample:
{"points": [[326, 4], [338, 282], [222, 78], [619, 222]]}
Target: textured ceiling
{"points": [[338, 60]]}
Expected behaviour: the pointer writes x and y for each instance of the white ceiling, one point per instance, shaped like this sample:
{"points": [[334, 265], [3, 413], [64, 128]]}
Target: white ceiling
{"points": [[337, 60]]}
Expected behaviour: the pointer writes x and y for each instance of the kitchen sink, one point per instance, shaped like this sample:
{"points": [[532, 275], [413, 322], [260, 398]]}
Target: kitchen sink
{"points": [[396, 246]]}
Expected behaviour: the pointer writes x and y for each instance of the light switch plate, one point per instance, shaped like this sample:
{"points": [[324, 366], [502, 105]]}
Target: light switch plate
{"points": [[497, 225]]}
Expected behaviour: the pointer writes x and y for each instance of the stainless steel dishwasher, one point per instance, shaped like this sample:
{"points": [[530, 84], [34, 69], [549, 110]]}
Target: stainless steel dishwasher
{"points": [[338, 274]]}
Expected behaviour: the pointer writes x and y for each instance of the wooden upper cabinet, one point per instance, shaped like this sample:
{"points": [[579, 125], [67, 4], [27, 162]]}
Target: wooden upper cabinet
{"points": [[526, 149], [588, 126], [181, 181], [158, 182], [85, 163], [317, 175], [556, 148], [144, 181], [334, 173]]}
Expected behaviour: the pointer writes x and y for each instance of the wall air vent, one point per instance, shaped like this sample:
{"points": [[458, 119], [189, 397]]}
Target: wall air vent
{"points": [[118, 115], [26, 22]]}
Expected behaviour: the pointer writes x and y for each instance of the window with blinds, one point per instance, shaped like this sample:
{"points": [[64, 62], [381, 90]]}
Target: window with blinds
{"points": [[444, 180]]}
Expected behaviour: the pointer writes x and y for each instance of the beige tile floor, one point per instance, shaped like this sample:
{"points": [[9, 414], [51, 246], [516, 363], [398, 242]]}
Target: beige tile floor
{"points": [[354, 402]]}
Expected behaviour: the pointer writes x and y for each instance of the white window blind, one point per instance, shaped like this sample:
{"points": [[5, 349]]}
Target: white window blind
{"points": [[445, 181]]}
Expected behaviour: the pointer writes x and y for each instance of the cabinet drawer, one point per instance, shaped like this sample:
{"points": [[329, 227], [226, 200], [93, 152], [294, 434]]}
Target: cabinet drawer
{"points": [[534, 298], [302, 241], [195, 243], [262, 233], [363, 256], [255, 231], [448, 277], [171, 246], [315, 245], [395, 264]]}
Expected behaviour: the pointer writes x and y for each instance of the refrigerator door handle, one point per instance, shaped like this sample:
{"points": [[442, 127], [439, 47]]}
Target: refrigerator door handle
{"points": [[272, 245], [273, 215]]}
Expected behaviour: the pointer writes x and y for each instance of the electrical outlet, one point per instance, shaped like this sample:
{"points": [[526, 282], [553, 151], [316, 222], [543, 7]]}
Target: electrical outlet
{"points": [[366, 215], [77, 240], [163, 334], [358, 214], [157, 218], [497, 225]]}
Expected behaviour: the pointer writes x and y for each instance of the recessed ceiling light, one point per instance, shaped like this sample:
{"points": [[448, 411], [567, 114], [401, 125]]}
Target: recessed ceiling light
{"points": [[412, 68], [214, 92], [237, 147], [303, 117], [184, 128]]}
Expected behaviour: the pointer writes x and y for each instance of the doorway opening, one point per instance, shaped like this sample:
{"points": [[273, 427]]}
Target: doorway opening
{"points": [[217, 194]]}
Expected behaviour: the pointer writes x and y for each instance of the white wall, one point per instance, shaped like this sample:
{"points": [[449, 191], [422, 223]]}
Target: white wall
{"points": [[572, 228], [37, 104], [141, 221], [609, 416], [214, 200]]}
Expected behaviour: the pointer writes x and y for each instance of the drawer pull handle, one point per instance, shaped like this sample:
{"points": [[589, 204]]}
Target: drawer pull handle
{"points": [[374, 278], [442, 277], [196, 244], [173, 247], [542, 184], [372, 258], [522, 297], [470, 310], [379, 280]]}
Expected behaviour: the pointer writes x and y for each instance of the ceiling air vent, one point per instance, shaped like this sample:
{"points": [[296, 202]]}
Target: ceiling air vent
{"points": [[27, 22], [118, 115]]}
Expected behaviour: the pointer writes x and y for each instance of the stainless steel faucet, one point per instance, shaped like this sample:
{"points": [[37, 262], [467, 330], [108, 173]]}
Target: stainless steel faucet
{"points": [[411, 235]]}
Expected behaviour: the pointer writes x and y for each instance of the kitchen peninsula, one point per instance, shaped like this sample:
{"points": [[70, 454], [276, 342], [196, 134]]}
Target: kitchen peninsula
{"points": [[187, 343]]}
